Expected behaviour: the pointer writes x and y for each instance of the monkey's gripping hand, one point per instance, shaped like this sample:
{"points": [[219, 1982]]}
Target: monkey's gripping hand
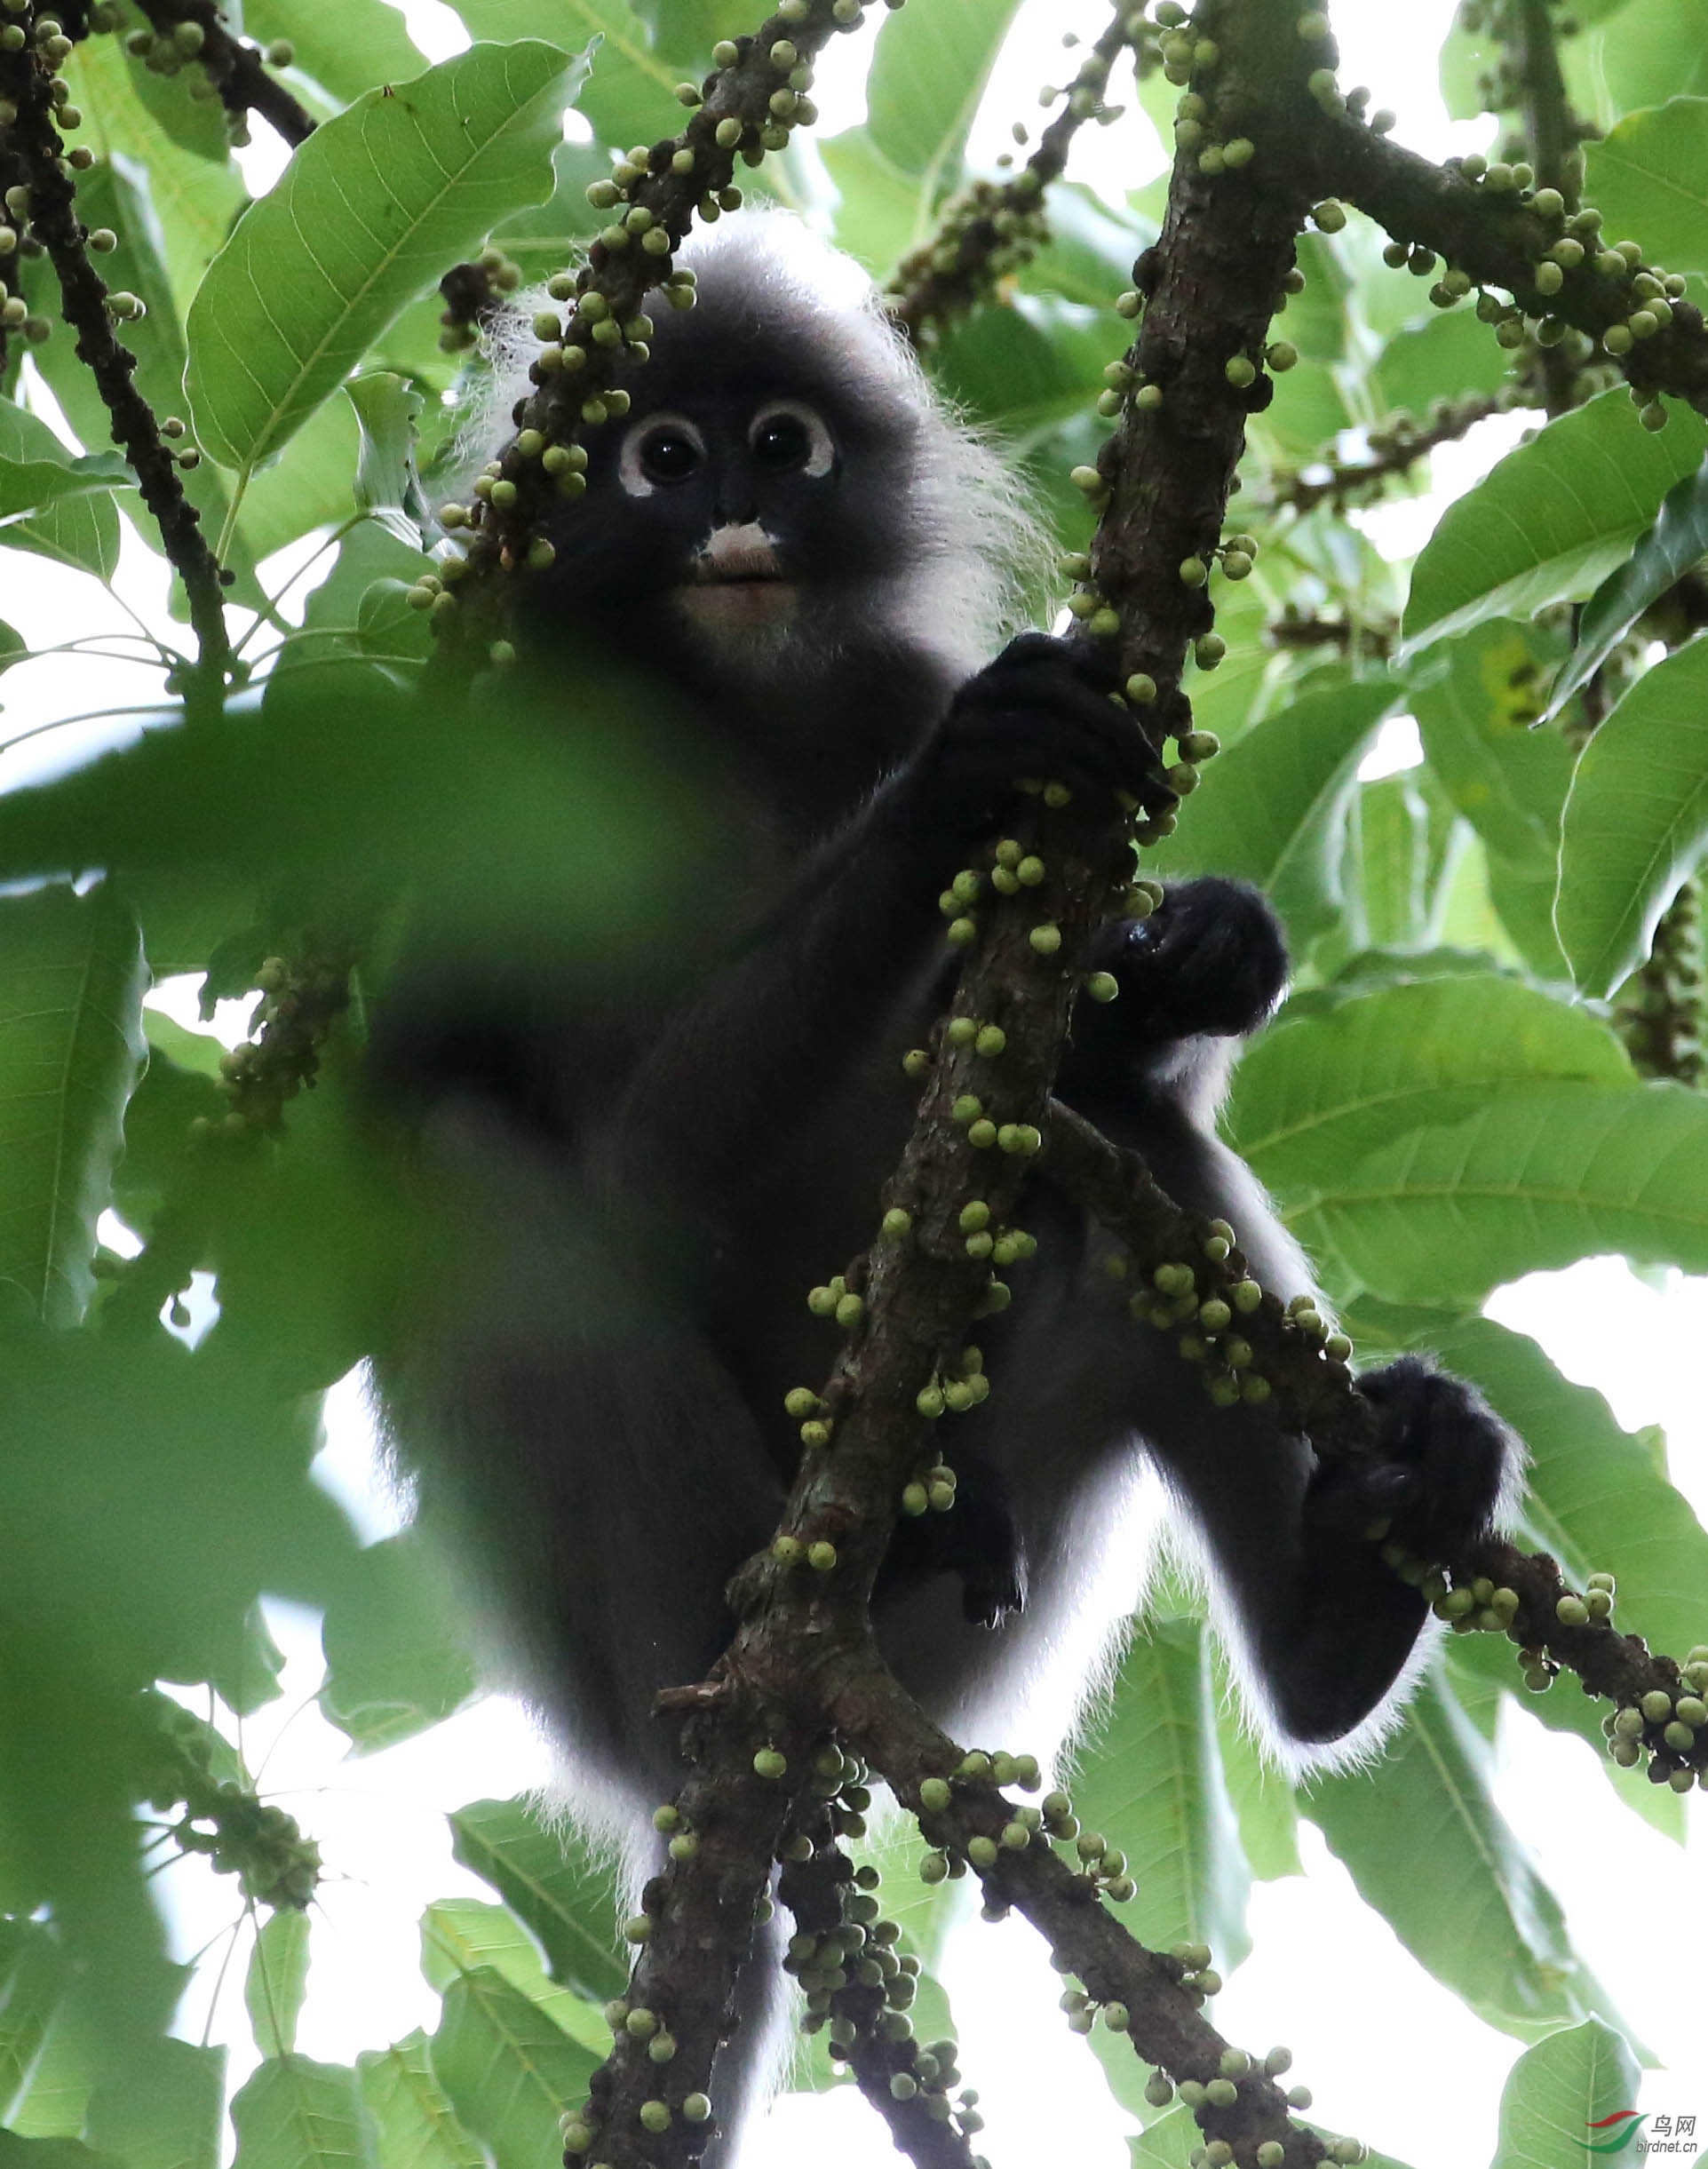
{"points": [[1445, 1461], [1042, 709], [1208, 963]]}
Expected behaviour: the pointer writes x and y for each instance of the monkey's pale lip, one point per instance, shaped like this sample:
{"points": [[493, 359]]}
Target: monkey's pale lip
{"points": [[736, 598]]}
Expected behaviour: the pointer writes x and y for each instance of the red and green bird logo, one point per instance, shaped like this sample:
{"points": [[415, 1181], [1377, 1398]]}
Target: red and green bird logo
{"points": [[1628, 2120]]}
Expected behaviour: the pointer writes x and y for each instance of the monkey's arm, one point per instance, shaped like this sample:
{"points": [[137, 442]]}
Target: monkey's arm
{"points": [[748, 1059]]}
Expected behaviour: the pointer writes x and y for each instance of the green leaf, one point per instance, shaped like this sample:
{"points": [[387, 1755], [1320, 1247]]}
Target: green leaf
{"points": [[1482, 1920], [1636, 821], [295, 2114], [387, 487], [1552, 520], [629, 95], [928, 74], [1476, 718], [1647, 177], [1559, 2090], [508, 2071], [395, 1661], [460, 1934], [196, 198], [1535, 1179], [166, 2112], [277, 1982], [1272, 807], [367, 213], [342, 50], [1028, 367], [311, 489], [415, 2124], [883, 209], [33, 1975], [554, 1883], [71, 1046], [55, 2103], [1389, 838], [76, 526], [331, 623], [1447, 355], [1646, 53], [1595, 1498], [1678, 540], [1314, 1095], [195, 125], [1151, 1782], [30, 486]]}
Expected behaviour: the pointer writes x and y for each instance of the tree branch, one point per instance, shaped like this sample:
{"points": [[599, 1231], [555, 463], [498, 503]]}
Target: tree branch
{"points": [[994, 228], [27, 81], [236, 70]]}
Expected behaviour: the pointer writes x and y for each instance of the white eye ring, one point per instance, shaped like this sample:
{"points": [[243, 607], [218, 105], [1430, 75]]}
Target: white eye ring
{"points": [[820, 447], [630, 473]]}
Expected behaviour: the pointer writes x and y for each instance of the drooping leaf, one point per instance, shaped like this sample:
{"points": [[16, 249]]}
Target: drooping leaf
{"points": [[1636, 821], [387, 487], [395, 1661], [72, 522], [33, 1971], [1314, 1095], [459, 1934], [369, 212], [1552, 520], [1574, 2090], [553, 1883], [296, 2114], [414, 2126], [1151, 1782], [71, 1045], [507, 2070], [277, 1982], [1482, 1920], [1678, 540]]}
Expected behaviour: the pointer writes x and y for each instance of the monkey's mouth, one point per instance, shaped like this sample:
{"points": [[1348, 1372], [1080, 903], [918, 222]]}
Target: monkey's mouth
{"points": [[737, 586]]}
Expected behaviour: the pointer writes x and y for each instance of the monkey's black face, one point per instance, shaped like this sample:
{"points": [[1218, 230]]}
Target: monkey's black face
{"points": [[741, 490]]}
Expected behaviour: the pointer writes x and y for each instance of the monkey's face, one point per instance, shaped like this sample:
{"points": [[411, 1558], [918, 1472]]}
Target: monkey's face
{"points": [[733, 508]]}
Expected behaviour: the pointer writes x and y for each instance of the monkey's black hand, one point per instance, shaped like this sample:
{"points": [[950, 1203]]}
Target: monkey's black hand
{"points": [[976, 1540], [1042, 709], [1444, 1459], [1208, 960]]}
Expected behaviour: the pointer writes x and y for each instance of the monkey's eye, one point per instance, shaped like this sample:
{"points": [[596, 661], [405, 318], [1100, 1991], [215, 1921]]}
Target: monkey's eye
{"points": [[789, 438], [659, 452]]}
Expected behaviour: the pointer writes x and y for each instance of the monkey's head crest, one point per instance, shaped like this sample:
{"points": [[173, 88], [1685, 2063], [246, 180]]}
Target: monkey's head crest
{"points": [[786, 488]]}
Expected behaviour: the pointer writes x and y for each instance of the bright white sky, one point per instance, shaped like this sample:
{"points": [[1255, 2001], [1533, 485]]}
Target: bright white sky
{"points": [[1390, 2056]]}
